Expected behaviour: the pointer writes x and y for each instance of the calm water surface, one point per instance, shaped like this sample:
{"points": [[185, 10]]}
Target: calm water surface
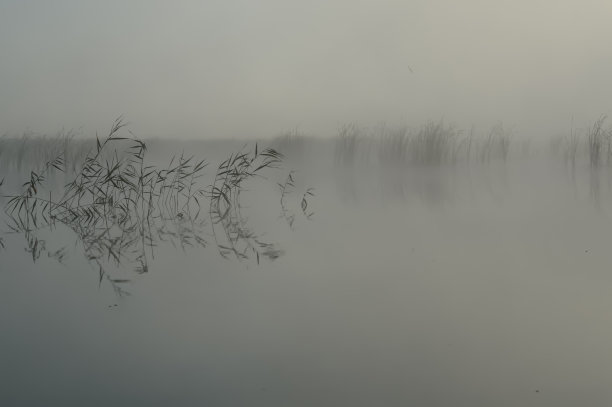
{"points": [[492, 292]]}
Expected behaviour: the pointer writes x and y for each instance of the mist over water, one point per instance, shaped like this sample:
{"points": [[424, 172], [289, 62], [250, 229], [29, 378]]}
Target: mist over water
{"points": [[243, 69], [433, 279], [399, 203]]}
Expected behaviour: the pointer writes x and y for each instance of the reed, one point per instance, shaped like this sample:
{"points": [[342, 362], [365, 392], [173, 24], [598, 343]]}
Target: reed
{"points": [[598, 142], [120, 208], [346, 145], [230, 230]]}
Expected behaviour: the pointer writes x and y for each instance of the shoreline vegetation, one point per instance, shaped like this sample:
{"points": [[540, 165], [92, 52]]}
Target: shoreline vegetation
{"points": [[120, 207], [120, 204], [434, 143]]}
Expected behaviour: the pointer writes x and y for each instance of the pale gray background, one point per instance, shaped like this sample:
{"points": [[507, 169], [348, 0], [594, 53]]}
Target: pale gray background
{"points": [[254, 68]]}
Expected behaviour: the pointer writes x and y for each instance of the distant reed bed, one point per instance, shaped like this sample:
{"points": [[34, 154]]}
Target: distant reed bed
{"points": [[433, 144], [18, 153]]}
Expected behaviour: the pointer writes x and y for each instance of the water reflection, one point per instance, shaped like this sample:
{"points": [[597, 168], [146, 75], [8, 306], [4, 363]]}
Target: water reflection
{"points": [[372, 302], [120, 209]]}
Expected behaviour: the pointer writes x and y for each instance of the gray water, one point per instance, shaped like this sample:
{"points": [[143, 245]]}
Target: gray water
{"points": [[492, 289]]}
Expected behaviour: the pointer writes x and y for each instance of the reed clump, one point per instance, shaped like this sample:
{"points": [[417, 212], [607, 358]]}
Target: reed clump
{"points": [[293, 143], [120, 207], [434, 144], [599, 143], [393, 147], [230, 229], [592, 144], [17, 152], [346, 145]]}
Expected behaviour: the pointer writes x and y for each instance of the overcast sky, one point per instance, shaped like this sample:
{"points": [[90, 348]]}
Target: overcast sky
{"points": [[254, 68]]}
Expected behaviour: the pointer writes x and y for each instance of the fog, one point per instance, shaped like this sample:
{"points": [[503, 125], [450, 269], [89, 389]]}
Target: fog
{"points": [[243, 69], [467, 283], [335, 203]]}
